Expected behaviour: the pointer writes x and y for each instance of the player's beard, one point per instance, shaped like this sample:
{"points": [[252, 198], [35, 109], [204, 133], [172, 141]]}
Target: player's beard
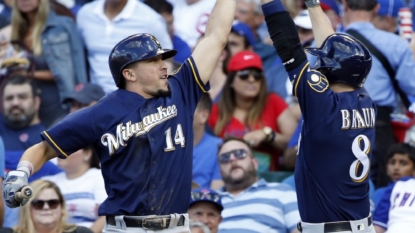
{"points": [[164, 93], [247, 179], [20, 121]]}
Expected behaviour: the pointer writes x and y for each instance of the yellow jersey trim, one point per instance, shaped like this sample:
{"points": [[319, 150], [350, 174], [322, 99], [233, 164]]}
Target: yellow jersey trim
{"points": [[195, 76], [53, 142], [299, 77]]}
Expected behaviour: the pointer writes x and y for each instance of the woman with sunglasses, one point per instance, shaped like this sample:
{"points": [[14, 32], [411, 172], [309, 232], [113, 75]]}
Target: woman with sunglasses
{"points": [[246, 110], [82, 167], [45, 212]]}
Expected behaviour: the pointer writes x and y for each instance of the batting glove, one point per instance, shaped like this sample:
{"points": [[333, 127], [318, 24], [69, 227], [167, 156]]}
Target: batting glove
{"points": [[14, 182]]}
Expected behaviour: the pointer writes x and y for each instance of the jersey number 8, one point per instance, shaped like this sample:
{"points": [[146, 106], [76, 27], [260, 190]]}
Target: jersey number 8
{"points": [[362, 158]]}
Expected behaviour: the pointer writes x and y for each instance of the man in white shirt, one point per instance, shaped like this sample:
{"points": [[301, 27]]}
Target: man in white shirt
{"points": [[190, 18], [103, 23]]}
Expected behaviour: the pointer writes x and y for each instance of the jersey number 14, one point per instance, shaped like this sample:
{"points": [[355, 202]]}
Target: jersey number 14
{"points": [[178, 138]]}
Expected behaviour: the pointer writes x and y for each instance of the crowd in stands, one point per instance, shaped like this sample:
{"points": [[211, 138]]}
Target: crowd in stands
{"points": [[54, 61]]}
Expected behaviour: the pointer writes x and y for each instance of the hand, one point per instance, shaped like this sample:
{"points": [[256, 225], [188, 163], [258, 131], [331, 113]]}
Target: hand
{"points": [[14, 182], [254, 138]]}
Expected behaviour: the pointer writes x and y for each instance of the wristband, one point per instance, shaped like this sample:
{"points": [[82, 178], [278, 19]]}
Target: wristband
{"points": [[25, 166], [312, 3]]}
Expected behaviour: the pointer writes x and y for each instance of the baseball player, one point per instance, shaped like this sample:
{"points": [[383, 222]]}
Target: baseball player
{"points": [[142, 132], [332, 167]]}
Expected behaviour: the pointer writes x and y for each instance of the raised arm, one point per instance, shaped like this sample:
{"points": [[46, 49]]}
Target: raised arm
{"points": [[321, 25], [208, 50]]}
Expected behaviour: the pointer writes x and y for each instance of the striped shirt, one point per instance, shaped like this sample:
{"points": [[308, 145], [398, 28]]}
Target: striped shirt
{"points": [[263, 207]]}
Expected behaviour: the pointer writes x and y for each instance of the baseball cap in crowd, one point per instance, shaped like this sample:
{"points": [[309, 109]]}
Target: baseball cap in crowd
{"points": [[390, 7], [330, 5], [206, 195], [244, 60], [85, 93], [244, 30], [303, 20]]}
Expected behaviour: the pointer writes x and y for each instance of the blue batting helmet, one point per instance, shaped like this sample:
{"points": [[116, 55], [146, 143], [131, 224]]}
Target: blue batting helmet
{"points": [[343, 59], [135, 48]]}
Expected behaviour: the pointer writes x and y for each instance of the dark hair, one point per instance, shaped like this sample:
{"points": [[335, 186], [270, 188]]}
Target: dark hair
{"points": [[205, 103], [94, 162], [402, 148], [246, 41], [226, 60], [232, 138], [21, 80], [365, 5], [160, 6]]}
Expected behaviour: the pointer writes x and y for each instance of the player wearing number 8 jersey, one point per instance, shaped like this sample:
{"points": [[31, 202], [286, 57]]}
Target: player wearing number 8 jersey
{"points": [[143, 132], [332, 167]]}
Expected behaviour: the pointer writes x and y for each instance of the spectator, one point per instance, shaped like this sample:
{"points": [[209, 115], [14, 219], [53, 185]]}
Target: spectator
{"points": [[250, 204], [2, 155], [165, 9], [84, 95], [357, 16], [198, 227], [46, 211], [103, 23], [206, 207], [82, 200], [57, 50], [205, 148], [387, 18], [395, 212], [401, 163], [332, 10], [20, 128], [218, 78], [190, 18], [241, 38], [304, 28], [247, 111], [250, 12]]}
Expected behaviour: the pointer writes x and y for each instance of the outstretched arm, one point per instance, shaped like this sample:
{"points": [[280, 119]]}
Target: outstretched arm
{"points": [[321, 25], [284, 34], [208, 50]]}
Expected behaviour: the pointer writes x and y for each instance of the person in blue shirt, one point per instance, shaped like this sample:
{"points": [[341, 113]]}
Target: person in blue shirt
{"points": [[357, 16], [205, 164], [20, 127]]}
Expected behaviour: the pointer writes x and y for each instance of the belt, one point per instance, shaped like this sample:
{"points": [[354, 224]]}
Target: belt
{"points": [[337, 226], [150, 222]]}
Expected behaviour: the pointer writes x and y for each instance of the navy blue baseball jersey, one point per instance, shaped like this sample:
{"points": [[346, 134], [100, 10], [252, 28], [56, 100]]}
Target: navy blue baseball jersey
{"points": [[145, 145], [333, 161]]}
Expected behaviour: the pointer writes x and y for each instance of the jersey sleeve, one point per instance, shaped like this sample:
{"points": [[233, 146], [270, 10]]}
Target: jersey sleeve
{"points": [[187, 79], [315, 97], [381, 215], [74, 132]]}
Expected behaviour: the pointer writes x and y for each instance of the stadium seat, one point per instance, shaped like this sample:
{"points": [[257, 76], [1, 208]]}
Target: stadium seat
{"points": [[275, 176]]}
